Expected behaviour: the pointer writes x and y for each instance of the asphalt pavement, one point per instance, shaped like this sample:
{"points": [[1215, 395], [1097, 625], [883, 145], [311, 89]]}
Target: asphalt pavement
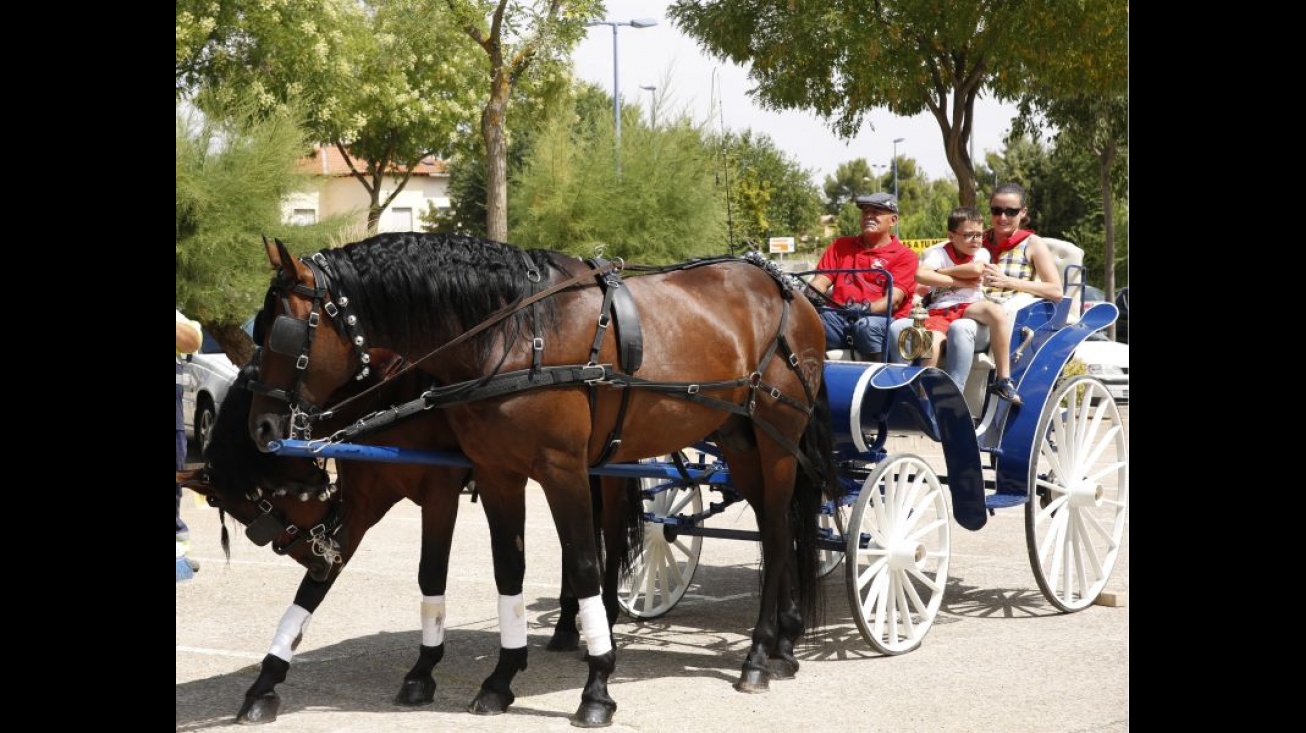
{"points": [[999, 657]]}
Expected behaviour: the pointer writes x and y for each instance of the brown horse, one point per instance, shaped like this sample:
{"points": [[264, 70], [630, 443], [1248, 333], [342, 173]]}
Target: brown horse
{"points": [[521, 344], [289, 504]]}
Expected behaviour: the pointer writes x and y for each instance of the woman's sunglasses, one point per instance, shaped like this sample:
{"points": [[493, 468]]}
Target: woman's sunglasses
{"points": [[995, 210]]}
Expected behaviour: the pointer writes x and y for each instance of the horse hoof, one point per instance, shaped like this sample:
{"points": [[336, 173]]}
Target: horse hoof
{"points": [[783, 668], [261, 709], [564, 641], [488, 702], [753, 681], [417, 691], [593, 715]]}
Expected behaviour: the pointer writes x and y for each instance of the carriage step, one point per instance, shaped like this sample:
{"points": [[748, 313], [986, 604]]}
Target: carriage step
{"points": [[1002, 501]]}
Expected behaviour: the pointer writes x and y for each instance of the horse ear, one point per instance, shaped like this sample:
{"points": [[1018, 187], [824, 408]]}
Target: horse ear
{"points": [[274, 255], [287, 260]]}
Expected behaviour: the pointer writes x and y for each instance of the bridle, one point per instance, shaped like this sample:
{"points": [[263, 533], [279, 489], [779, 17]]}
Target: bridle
{"points": [[293, 337], [270, 524]]}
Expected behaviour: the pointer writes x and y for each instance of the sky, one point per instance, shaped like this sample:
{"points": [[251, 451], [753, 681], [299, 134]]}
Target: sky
{"points": [[664, 57]]}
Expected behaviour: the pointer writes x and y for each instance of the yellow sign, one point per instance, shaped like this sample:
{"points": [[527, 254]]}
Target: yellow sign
{"points": [[781, 245]]}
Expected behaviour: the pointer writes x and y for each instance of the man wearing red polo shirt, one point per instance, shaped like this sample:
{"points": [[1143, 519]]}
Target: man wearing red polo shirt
{"points": [[863, 325]]}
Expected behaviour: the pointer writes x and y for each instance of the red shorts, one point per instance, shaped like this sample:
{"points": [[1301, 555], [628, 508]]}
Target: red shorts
{"points": [[939, 318]]}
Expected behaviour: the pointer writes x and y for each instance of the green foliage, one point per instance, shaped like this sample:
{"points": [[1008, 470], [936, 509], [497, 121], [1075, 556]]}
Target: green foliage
{"points": [[841, 59], [233, 171], [771, 194], [662, 208]]}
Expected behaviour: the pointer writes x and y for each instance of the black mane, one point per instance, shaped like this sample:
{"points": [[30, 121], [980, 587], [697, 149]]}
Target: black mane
{"points": [[411, 288]]}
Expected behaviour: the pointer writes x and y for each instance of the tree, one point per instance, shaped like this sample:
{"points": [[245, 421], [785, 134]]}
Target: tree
{"points": [[233, 169], [522, 42], [387, 82], [664, 207], [844, 58], [1083, 94], [772, 194]]}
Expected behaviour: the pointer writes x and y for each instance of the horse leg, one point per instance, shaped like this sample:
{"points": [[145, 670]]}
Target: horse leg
{"points": [[566, 635], [503, 497], [439, 513], [784, 665], [570, 505], [261, 699], [622, 517], [758, 486]]}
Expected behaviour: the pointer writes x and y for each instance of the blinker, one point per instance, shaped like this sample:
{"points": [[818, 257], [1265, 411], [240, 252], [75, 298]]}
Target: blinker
{"points": [[289, 335], [264, 529]]}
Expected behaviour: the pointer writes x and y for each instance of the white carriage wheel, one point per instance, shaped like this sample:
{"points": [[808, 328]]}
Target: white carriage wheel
{"points": [[1079, 494], [837, 521], [661, 573], [899, 550]]}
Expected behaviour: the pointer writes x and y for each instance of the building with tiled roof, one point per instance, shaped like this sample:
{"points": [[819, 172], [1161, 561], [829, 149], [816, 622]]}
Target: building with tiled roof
{"points": [[338, 192]]}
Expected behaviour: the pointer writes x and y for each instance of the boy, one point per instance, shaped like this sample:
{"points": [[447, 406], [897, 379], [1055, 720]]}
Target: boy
{"points": [[952, 270]]}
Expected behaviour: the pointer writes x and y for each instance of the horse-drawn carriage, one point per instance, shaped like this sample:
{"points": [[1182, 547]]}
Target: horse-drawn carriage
{"points": [[755, 415]]}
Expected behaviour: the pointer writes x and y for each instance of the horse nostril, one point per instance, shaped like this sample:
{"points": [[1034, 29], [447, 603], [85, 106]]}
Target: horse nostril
{"points": [[265, 434]]}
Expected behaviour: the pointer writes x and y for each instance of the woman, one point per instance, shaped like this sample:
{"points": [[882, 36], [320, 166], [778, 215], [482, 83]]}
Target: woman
{"points": [[1016, 256]]}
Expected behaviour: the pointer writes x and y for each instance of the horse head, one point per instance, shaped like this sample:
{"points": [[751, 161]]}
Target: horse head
{"points": [[301, 363], [289, 503]]}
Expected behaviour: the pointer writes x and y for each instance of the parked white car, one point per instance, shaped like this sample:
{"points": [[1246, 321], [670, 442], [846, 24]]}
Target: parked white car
{"points": [[206, 376], [1106, 359]]}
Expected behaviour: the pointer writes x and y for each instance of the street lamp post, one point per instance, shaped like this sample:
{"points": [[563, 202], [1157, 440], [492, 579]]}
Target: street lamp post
{"points": [[616, 88], [653, 103], [895, 174], [878, 176]]}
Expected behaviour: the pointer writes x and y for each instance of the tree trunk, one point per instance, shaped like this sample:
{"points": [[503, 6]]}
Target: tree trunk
{"points": [[234, 341], [1107, 159], [493, 122]]}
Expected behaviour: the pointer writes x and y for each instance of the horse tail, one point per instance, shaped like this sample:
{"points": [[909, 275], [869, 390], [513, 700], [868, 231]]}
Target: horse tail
{"points": [[816, 483], [631, 539], [629, 521]]}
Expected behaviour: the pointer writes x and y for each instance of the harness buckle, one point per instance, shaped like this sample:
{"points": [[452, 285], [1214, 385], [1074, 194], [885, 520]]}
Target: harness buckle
{"points": [[302, 362], [604, 320], [793, 360], [754, 379], [537, 343], [593, 380], [775, 393], [330, 308], [693, 389], [314, 319]]}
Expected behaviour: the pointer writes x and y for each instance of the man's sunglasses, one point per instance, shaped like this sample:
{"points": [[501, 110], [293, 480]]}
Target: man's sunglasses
{"points": [[995, 210]]}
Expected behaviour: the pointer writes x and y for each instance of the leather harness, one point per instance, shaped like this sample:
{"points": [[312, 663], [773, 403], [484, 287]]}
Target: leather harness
{"points": [[618, 310]]}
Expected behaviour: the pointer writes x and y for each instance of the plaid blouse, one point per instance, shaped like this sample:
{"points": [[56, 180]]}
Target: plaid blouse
{"points": [[1014, 263]]}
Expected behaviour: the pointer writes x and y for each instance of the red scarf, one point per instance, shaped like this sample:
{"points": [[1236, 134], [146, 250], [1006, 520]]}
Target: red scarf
{"points": [[957, 257], [997, 249]]}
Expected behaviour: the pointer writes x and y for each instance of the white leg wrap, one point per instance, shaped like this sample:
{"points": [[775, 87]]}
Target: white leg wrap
{"points": [[294, 622], [594, 625], [432, 620], [512, 621]]}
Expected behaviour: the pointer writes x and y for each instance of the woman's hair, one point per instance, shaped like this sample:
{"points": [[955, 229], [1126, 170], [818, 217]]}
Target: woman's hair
{"points": [[1015, 188]]}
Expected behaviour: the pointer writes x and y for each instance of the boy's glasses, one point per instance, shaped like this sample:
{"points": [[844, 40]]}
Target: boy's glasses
{"points": [[975, 237], [995, 210]]}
